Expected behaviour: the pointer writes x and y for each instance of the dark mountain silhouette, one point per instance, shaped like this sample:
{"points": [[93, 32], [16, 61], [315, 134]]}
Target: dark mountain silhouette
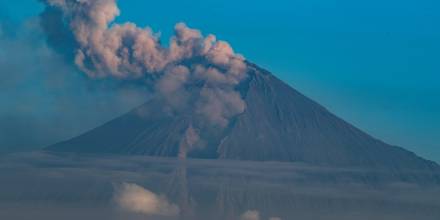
{"points": [[279, 124]]}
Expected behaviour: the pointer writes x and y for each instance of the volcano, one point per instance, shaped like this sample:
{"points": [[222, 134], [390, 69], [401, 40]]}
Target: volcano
{"points": [[279, 124]]}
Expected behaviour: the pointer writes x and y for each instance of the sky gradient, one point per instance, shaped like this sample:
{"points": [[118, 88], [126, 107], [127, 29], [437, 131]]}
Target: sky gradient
{"points": [[373, 63]]}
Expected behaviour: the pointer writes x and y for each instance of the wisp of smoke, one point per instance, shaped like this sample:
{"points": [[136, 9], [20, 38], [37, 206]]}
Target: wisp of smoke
{"points": [[104, 49]]}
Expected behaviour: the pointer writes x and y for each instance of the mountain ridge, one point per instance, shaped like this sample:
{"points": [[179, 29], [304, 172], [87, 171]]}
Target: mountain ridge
{"points": [[278, 124]]}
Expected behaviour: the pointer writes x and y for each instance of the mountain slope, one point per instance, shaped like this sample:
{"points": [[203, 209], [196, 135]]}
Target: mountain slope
{"points": [[279, 124]]}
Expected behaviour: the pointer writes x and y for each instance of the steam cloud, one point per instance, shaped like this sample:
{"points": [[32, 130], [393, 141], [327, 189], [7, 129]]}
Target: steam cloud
{"points": [[254, 215], [104, 49], [251, 215], [136, 199]]}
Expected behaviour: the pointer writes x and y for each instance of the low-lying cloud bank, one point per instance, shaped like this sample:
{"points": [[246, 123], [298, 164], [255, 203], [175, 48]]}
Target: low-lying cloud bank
{"points": [[136, 199]]}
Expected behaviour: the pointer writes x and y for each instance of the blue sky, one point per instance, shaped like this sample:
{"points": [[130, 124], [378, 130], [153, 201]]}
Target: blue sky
{"points": [[374, 63]]}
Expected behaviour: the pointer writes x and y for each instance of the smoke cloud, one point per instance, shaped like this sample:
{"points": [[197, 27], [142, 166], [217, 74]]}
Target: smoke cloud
{"points": [[250, 215], [254, 215], [136, 199], [104, 49]]}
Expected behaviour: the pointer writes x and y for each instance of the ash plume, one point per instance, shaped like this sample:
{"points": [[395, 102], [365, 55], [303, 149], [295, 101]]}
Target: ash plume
{"points": [[105, 49]]}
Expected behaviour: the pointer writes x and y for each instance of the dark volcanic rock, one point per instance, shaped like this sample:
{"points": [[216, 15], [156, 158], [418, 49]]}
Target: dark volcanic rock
{"points": [[279, 124]]}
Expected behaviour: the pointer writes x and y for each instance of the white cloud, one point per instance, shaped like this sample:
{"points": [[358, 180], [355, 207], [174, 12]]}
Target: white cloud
{"points": [[136, 199], [250, 215], [254, 215]]}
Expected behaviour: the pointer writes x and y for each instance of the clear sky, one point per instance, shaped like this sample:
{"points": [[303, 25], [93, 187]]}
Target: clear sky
{"points": [[374, 63]]}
